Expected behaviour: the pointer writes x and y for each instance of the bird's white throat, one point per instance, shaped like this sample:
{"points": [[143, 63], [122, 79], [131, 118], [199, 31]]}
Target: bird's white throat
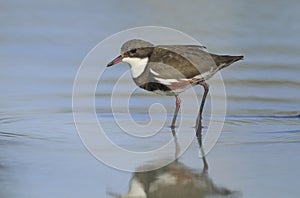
{"points": [[137, 65]]}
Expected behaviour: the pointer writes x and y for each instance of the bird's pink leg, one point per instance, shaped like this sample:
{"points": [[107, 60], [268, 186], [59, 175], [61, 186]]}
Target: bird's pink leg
{"points": [[206, 89], [199, 138], [199, 127], [178, 101]]}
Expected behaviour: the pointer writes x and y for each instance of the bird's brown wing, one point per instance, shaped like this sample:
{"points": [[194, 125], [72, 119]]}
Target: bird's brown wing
{"points": [[180, 61]]}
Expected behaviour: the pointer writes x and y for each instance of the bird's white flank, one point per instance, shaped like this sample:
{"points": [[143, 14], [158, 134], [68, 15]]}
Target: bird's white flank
{"points": [[154, 72], [166, 81]]}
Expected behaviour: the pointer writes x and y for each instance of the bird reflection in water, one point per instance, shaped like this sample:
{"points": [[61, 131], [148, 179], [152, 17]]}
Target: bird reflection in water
{"points": [[176, 180]]}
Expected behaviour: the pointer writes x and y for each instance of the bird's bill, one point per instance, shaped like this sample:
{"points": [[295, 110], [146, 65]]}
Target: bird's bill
{"points": [[115, 61]]}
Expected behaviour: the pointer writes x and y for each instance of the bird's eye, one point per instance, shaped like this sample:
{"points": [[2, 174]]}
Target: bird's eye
{"points": [[133, 51]]}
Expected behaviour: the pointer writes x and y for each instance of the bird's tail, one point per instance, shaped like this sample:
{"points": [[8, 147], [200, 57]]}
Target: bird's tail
{"points": [[225, 60]]}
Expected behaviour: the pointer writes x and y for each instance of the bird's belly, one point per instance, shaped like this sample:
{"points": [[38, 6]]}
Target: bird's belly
{"points": [[169, 93], [169, 89]]}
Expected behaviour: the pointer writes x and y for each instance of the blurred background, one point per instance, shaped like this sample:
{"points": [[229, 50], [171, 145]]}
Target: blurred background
{"points": [[42, 44]]}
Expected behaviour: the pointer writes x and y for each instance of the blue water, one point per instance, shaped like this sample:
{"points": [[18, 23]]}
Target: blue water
{"points": [[43, 43]]}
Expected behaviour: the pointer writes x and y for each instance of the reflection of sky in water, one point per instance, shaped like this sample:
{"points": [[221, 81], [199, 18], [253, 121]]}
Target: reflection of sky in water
{"points": [[43, 43]]}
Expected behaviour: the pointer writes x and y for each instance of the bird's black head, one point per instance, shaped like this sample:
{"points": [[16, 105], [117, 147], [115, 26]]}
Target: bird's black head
{"points": [[142, 52], [135, 48]]}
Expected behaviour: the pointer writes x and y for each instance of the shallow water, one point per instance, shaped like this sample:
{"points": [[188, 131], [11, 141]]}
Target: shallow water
{"points": [[43, 43]]}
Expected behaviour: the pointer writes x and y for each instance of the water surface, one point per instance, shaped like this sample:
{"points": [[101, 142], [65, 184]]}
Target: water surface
{"points": [[43, 43]]}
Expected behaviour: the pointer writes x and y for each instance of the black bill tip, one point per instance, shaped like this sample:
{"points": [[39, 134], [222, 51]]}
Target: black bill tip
{"points": [[110, 64], [115, 61]]}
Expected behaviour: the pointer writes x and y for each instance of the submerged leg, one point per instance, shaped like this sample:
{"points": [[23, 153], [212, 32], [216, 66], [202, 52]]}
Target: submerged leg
{"points": [[199, 138], [177, 148], [206, 89], [178, 101]]}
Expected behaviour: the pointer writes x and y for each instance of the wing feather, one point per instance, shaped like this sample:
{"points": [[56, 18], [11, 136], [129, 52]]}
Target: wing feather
{"points": [[181, 61]]}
